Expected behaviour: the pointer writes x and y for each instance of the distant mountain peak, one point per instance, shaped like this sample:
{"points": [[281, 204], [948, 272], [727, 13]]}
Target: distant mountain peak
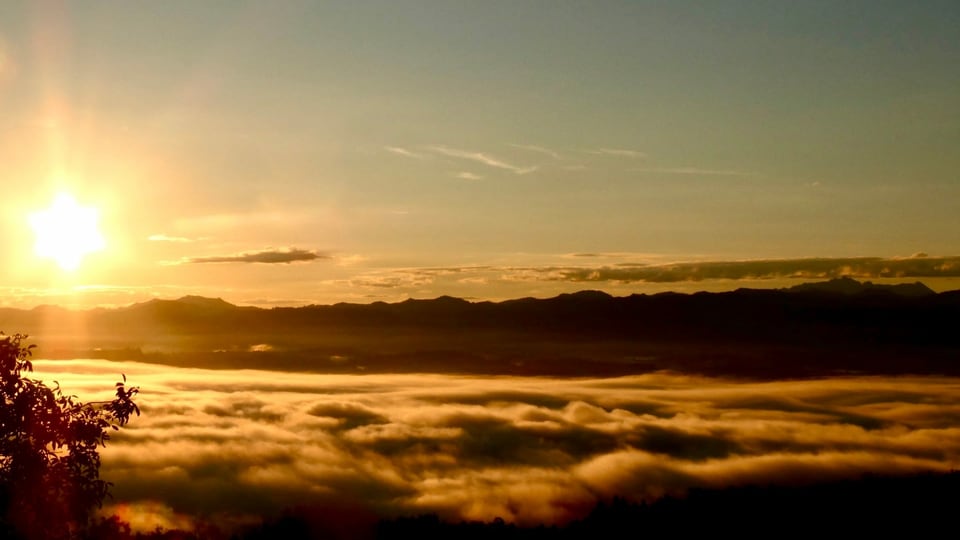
{"points": [[586, 295], [204, 301], [192, 301], [450, 300], [849, 286]]}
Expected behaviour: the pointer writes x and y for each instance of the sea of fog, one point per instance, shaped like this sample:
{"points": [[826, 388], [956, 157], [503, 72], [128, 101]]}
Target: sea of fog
{"points": [[228, 445]]}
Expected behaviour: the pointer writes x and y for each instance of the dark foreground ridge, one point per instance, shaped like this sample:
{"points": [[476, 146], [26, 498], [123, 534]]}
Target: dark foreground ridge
{"points": [[837, 327]]}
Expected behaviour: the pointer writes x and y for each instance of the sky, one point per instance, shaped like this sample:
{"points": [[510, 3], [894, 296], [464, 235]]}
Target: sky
{"points": [[285, 153]]}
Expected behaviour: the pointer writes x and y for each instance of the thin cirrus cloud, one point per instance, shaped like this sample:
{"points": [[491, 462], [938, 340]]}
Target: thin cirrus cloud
{"points": [[530, 450], [168, 238], [396, 280], [538, 149], [466, 175], [269, 256], [482, 158], [693, 171], [619, 152], [414, 277], [403, 152]]}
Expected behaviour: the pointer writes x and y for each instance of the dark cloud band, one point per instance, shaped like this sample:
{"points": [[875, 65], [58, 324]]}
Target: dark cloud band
{"points": [[862, 268], [814, 268], [280, 256]]}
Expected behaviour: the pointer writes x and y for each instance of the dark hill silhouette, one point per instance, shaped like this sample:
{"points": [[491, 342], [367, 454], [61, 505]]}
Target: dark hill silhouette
{"points": [[847, 285], [839, 326]]}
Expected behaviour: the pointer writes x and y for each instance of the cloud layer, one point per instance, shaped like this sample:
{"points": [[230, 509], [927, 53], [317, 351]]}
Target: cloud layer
{"points": [[813, 268], [270, 256], [530, 450], [916, 267]]}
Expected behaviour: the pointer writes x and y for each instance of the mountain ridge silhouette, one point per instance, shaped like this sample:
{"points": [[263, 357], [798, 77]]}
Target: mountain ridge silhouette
{"points": [[838, 326]]}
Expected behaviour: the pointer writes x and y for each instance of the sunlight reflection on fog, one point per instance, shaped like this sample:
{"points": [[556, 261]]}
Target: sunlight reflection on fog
{"points": [[231, 443]]}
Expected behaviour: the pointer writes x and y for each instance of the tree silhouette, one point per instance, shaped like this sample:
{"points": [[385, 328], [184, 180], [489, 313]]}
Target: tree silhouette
{"points": [[49, 462]]}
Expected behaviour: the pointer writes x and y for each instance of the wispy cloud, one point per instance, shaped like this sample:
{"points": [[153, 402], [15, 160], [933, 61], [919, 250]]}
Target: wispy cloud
{"points": [[697, 171], [482, 158], [466, 175], [537, 149], [270, 256], [167, 238], [351, 260], [396, 279], [403, 152], [413, 277], [620, 152]]}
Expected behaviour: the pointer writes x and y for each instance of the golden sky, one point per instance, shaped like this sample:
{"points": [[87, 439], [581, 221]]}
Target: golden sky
{"points": [[321, 152]]}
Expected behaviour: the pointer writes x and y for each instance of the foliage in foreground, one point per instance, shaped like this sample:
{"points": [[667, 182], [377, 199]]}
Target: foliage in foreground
{"points": [[49, 461]]}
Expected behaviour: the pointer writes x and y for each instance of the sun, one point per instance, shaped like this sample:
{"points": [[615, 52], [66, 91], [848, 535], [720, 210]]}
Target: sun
{"points": [[66, 232]]}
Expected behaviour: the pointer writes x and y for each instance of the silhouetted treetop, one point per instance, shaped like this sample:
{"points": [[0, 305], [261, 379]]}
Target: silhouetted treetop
{"points": [[49, 462]]}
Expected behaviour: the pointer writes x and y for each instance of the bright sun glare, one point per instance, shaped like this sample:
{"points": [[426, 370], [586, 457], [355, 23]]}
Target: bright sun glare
{"points": [[66, 232]]}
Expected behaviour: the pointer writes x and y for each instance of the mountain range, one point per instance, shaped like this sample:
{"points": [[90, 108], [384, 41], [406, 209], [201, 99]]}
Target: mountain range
{"points": [[814, 329]]}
